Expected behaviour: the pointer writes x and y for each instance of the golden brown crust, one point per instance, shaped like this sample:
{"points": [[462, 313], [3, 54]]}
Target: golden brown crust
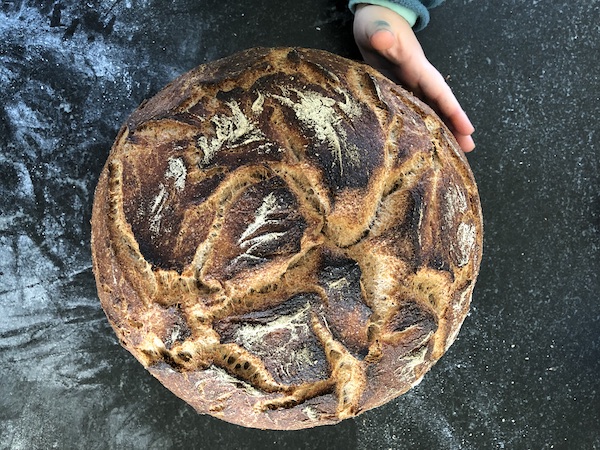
{"points": [[285, 238]]}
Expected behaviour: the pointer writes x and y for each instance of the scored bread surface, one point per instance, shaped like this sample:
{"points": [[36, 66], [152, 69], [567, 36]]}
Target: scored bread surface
{"points": [[285, 238]]}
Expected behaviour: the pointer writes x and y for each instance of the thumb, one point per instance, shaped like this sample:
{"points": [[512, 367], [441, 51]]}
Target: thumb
{"points": [[380, 34], [372, 29]]}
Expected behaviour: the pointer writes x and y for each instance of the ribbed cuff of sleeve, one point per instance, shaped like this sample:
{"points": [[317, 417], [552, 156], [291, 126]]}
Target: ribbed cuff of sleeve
{"points": [[409, 15]]}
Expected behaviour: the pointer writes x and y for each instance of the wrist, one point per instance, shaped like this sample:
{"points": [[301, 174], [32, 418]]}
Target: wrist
{"points": [[406, 13]]}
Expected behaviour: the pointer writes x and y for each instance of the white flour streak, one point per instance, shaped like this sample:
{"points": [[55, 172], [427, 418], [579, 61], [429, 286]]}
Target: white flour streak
{"points": [[253, 244], [456, 202], [252, 239], [159, 200], [261, 217], [234, 130], [257, 106], [320, 113], [216, 374], [252, 337], [466, 235], [157, 208], [176, 172]]}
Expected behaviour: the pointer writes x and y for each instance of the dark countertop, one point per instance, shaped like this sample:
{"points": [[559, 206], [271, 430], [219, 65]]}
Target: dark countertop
{"points": [[525, 371]]}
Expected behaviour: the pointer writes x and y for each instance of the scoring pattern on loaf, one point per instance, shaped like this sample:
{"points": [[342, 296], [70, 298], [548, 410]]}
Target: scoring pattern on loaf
{"points": [[285, 238]]}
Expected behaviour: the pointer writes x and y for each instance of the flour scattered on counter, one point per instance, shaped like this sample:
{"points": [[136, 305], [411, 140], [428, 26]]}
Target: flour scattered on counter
{"points": [[66, 88], [413, 410]]}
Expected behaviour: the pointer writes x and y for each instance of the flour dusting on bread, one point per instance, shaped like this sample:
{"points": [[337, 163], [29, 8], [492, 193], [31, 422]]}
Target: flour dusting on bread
{"points": [[234, 129]]}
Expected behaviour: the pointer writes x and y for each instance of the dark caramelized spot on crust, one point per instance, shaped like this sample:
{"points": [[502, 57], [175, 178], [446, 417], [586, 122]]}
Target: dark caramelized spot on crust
{"points": [[347, 315], [413, 314], [166, 220]]}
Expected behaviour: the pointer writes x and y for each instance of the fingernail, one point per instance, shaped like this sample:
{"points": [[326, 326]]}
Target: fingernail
{"points": [[471, 144], [470, 123]]}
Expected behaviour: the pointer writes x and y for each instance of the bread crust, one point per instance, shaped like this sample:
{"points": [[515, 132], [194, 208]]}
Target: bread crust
{"points": [[285, 238]]}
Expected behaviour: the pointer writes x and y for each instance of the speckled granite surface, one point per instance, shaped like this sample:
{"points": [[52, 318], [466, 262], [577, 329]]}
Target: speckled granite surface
{"points": [[524, 372]]}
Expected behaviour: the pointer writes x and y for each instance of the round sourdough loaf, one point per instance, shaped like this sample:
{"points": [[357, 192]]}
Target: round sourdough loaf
{"points": [[285, 238]]}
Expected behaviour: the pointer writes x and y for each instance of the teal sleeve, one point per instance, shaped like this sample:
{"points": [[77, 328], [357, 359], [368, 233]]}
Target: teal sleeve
{"points": [[414, 11]]}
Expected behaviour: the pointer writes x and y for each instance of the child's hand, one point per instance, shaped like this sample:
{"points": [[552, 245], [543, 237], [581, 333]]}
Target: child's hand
{"points": [[388, 43]]}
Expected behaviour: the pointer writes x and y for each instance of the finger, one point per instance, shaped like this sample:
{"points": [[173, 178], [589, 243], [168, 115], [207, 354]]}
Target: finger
{"points": [[460, 122], [435, 89], [466, 143], [443, 101]]}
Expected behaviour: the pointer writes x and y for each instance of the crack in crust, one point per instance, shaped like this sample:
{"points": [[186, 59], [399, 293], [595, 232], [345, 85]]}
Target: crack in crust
{"points": [[382, 265]]}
